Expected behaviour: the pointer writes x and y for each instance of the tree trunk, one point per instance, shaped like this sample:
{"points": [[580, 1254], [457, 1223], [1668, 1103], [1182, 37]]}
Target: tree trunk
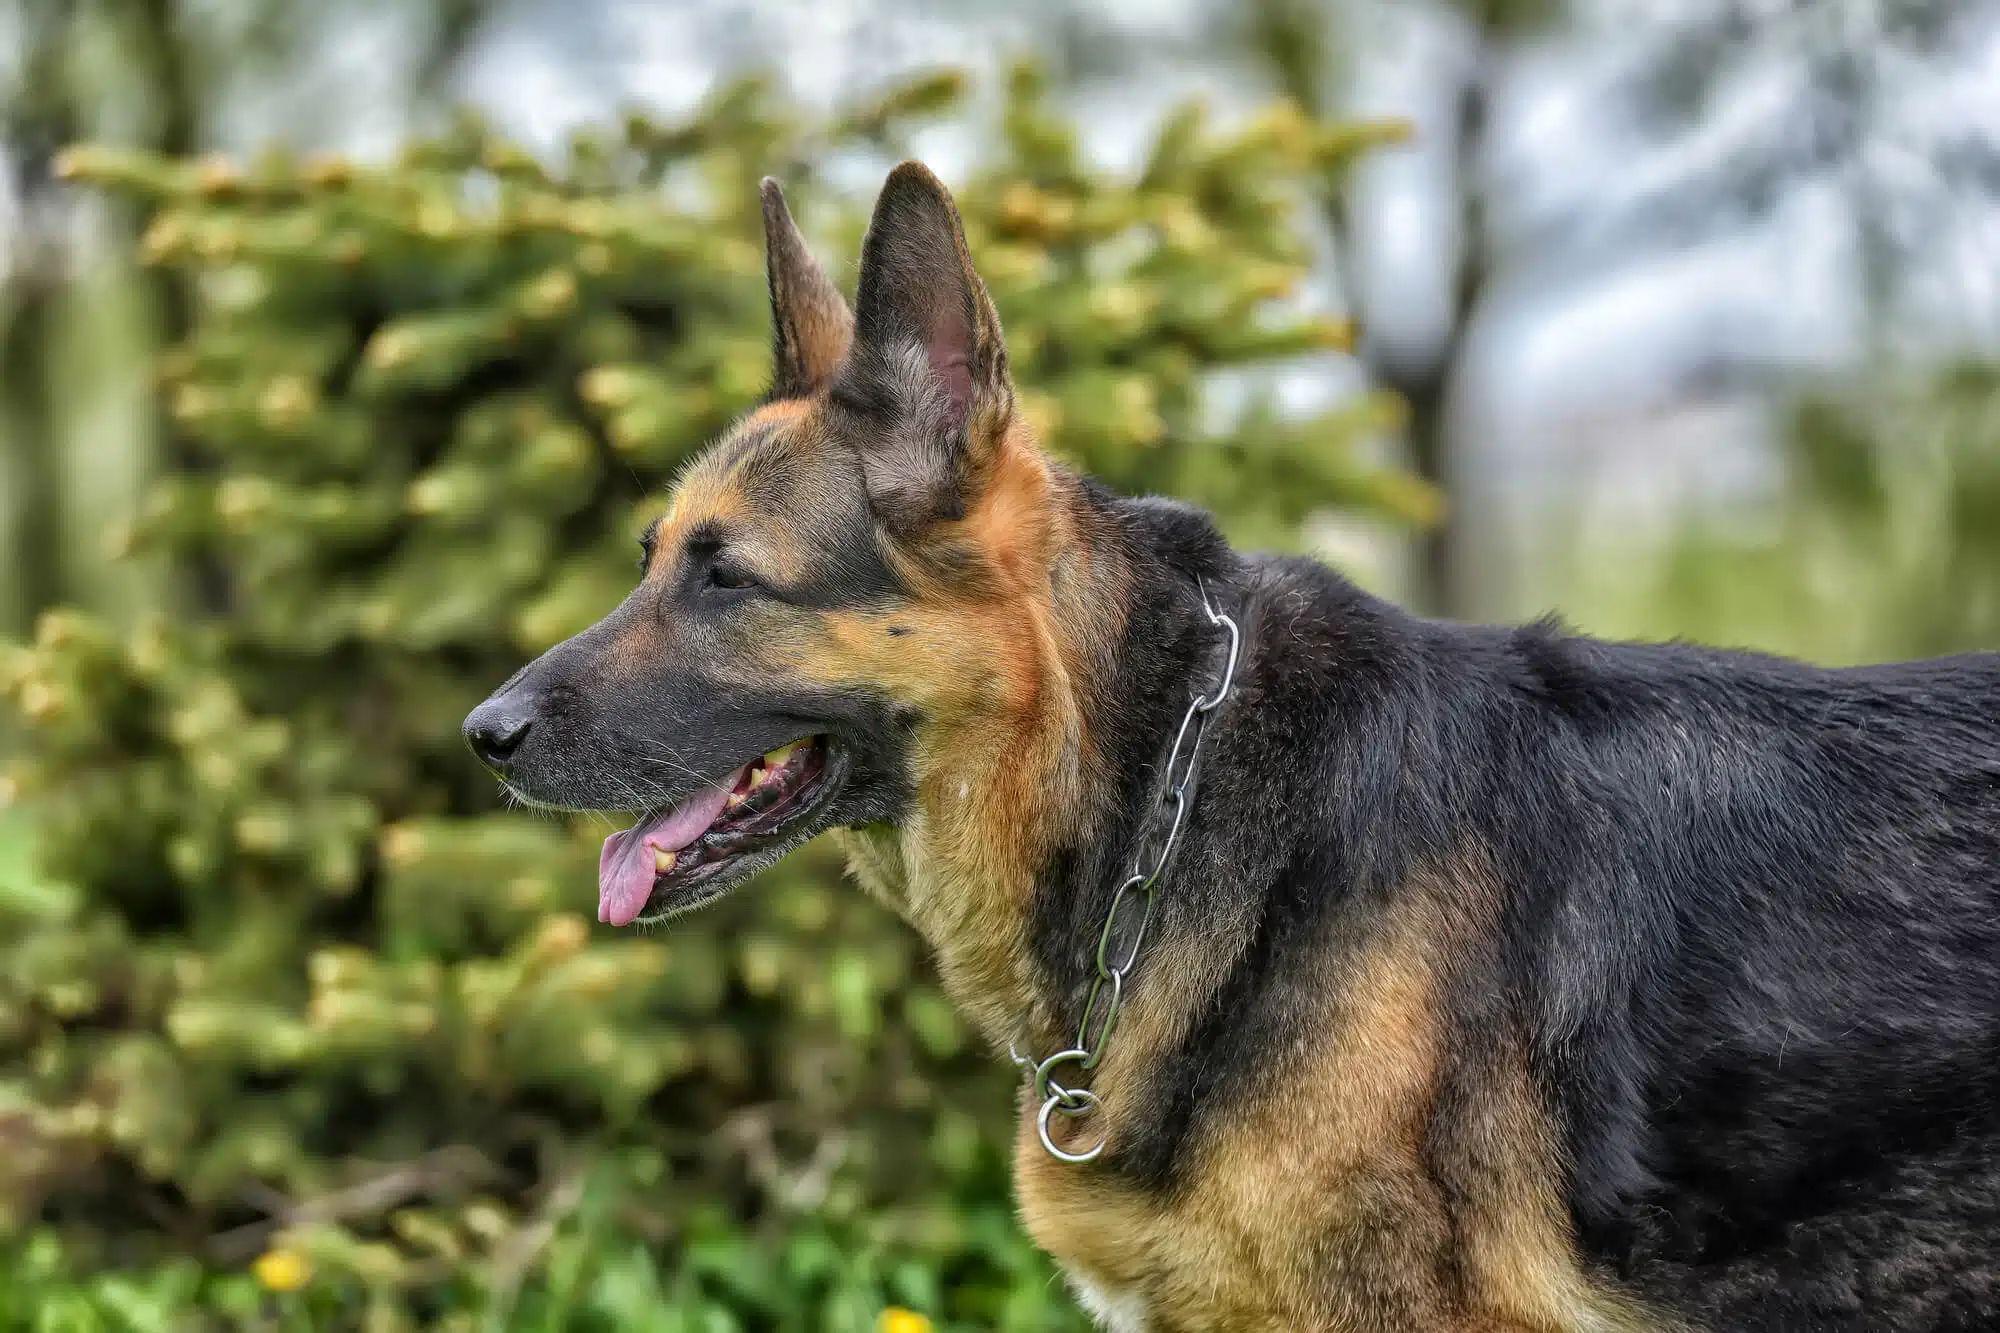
{"points": [[177, 131], [1437, 585], [1428, 382], [1427, 378], [41, 117], [34, 482]]}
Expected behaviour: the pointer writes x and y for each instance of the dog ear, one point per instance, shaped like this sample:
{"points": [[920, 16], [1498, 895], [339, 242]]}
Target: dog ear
{"points": [[810, 323], [929, 364]]}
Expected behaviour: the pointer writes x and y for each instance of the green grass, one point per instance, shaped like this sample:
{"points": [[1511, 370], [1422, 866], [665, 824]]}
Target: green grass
{"points": [[588, 1279]]}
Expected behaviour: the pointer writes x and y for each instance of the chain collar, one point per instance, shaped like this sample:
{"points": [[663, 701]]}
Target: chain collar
{"points": [[1171, 809]]}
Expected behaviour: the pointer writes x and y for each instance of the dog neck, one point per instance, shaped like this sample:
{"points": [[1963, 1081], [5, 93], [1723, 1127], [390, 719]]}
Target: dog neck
{"points": [[1023, 816], [1168, 652]]}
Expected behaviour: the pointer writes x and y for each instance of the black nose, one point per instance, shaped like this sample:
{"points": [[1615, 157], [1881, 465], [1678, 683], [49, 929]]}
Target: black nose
{"points": [[495, 729]]}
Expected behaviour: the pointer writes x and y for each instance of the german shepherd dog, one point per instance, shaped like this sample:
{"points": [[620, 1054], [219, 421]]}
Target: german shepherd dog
{"points": [[1499, 979]]}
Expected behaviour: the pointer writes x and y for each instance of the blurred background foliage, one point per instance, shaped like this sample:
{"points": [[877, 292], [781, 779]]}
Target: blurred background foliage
{"points": [[1681, 320], [1882, 541]]}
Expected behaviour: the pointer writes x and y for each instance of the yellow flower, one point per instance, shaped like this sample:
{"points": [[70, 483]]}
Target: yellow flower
{"points": [[283, 1270], [897, 1320]]}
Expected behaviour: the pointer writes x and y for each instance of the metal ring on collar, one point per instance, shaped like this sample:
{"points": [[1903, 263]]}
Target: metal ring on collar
{"points": [[1065, 1095], [1089, 1100]]}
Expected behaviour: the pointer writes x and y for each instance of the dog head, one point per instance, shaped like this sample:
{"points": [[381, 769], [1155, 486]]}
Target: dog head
{"points": [[843, 604]]}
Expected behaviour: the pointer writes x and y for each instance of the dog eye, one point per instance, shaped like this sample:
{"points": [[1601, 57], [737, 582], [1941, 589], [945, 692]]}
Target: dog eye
{"points": [[722, 576]]}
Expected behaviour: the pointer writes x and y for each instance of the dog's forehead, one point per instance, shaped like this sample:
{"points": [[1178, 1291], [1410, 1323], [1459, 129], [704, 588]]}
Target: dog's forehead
{"points": [[784, 489], [778, 462], [783, 492]]}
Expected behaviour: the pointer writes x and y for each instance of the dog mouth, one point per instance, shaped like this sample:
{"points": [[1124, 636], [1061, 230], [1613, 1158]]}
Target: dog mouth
{"points": [[680, 857]]}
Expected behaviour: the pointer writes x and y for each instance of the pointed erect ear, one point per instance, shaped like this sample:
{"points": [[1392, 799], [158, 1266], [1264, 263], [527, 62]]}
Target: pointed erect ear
{"points": [[810, 323], [929, 363]]}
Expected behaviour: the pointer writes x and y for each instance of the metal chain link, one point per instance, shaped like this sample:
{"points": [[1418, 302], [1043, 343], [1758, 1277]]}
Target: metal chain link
{"points": [[1109, 984]]}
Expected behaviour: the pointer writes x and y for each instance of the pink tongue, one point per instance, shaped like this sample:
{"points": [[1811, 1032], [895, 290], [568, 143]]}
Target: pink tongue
{"points": [[625, 866]]}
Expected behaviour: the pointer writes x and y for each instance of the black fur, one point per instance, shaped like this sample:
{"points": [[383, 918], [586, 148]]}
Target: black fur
{"points": [[1750, 934]]}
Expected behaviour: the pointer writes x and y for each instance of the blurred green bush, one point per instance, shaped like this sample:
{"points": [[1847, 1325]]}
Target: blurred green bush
{"points": [[293, 986], [1879, 539]]}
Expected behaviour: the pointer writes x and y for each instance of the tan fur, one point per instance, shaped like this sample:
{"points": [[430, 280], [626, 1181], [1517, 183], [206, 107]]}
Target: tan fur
{"points": [[814, 325], [706, 493], [709, 493], [1000, 762], [1317, 1203], [1516, 1246], [774, 414]]}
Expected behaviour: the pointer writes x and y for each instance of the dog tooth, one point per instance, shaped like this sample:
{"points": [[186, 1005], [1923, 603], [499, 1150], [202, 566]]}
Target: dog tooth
{"points": [[663, 860], [735, 799], [758, 777], [779, 757]]}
